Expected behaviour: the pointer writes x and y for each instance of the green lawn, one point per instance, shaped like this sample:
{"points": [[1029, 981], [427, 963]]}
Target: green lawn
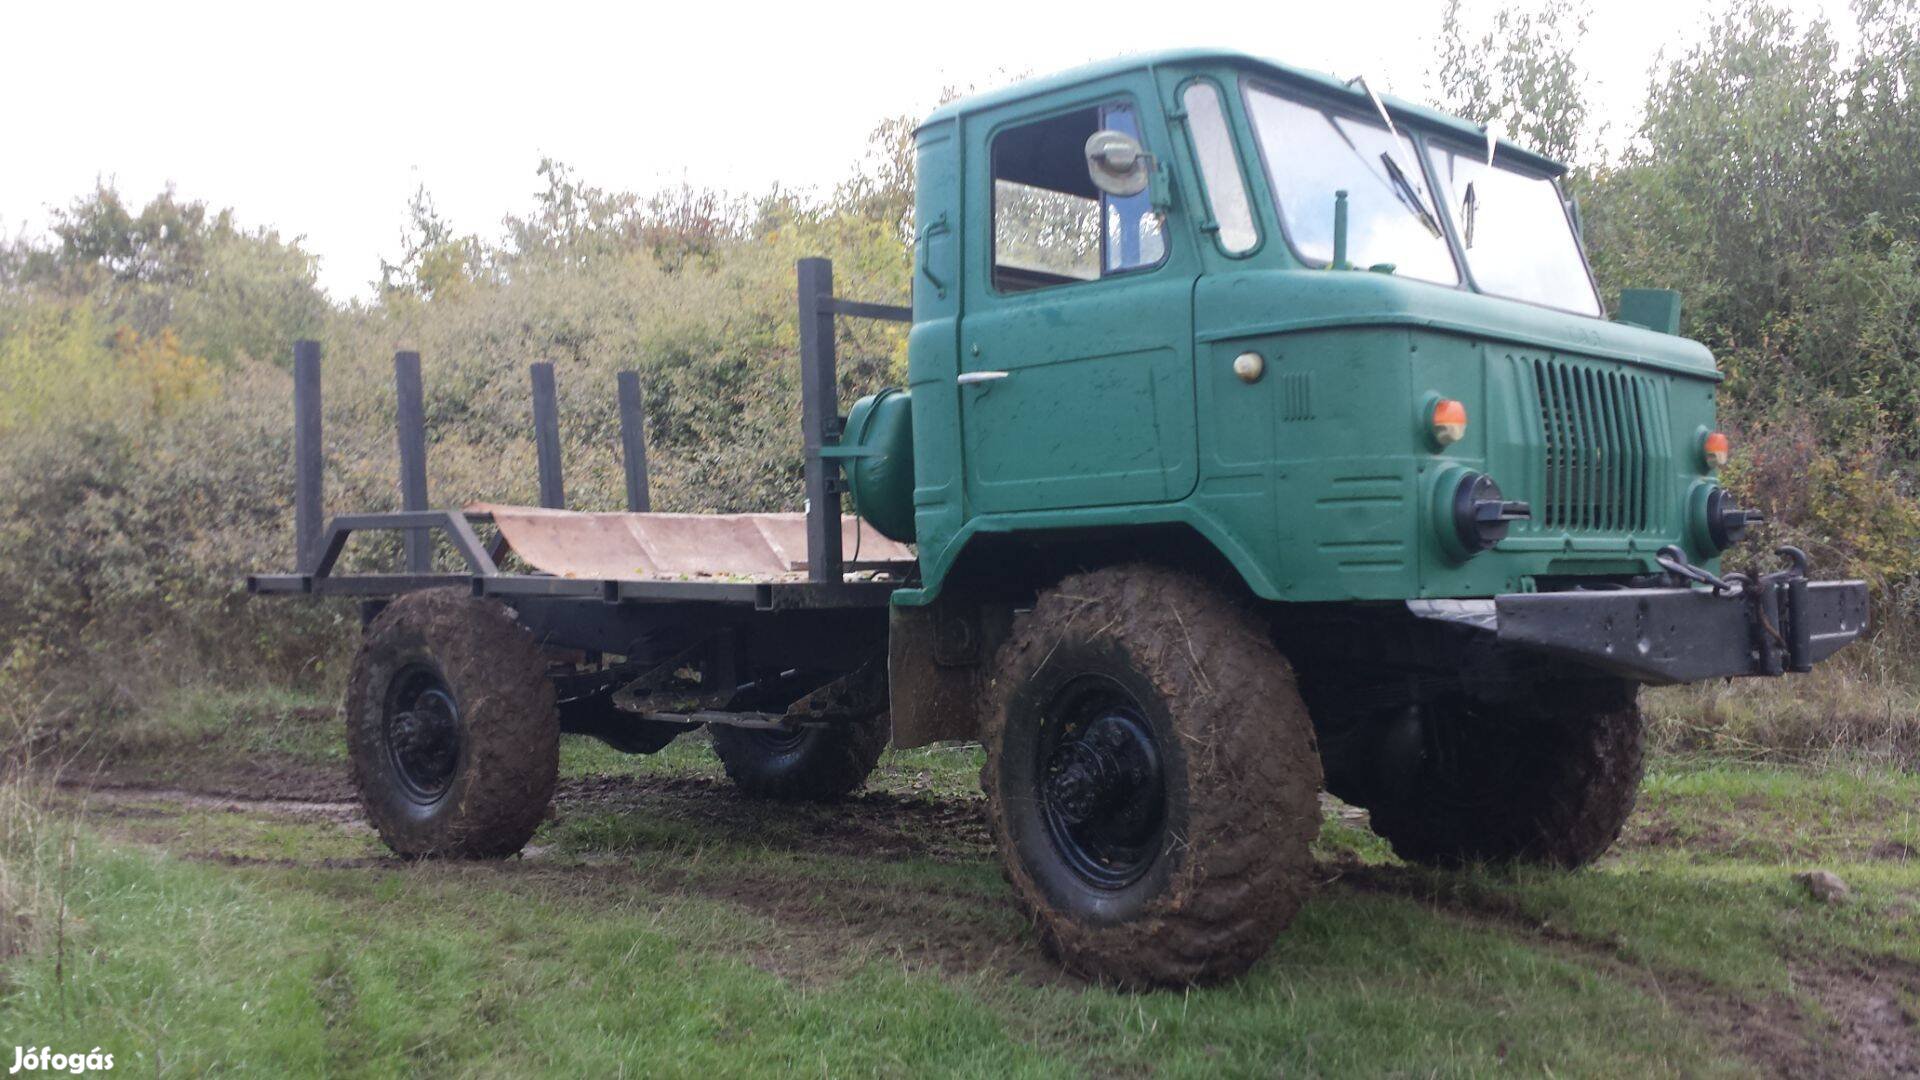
{"points": [[661, 925]]}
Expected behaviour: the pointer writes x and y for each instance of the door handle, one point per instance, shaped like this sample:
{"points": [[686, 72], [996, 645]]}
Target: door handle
{"points": [[968, 378], [937, 227]]}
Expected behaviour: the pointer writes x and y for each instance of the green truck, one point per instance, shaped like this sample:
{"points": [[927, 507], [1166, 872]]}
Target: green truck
{"points": [[1263, 436]]}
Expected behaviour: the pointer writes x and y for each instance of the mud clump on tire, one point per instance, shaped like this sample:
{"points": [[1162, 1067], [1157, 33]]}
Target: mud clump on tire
{"points": [[507, 757], [1548, 780], [1234, 746], [815, 764]]}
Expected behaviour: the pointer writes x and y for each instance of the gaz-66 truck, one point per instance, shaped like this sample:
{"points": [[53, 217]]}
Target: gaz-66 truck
{"points": [[1262, 435]]}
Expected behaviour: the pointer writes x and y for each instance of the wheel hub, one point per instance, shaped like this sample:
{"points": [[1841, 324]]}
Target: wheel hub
{"points": [[1102, 786], [1100, 771], [423, 734]]}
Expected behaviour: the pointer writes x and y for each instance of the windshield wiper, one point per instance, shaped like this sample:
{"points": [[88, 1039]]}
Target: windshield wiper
{"points": [[1469, 209], [1410, 195]]}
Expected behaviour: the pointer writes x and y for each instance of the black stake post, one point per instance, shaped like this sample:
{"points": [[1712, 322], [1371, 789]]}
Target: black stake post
{"points": [[410, 423], [820, 419], [633, 443], [309, 456], [546, 437]]}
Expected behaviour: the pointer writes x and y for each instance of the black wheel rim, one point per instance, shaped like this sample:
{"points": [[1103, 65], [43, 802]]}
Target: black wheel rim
{"points": [[423, 733], [1103, 789]]}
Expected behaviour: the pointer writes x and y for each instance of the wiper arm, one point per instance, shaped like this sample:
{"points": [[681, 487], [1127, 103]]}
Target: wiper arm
{"points": [[1410, 195]]}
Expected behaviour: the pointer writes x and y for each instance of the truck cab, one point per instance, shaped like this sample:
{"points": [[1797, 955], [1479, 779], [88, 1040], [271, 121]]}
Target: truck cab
{"points": [[1350, 343]]}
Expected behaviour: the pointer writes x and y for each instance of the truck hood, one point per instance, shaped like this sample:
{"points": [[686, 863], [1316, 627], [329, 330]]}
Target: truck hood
{"points": [[1263, 302]]}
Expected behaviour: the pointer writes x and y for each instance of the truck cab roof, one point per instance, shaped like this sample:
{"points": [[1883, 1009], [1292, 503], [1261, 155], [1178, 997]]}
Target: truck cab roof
{"points": [[1211, 59]]}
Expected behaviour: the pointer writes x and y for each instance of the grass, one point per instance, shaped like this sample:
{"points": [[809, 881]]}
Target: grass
{"points": [[33, 846], [1863, 706], [217, 731], [661, 925]]}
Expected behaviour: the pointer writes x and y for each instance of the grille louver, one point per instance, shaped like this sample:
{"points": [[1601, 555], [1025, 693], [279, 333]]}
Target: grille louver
{"points": [[1599, 429]]}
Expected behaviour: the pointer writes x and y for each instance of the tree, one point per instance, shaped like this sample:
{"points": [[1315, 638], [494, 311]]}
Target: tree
{"points": [[434, 260], [881, 187], [227, 291], [1521, 76]]}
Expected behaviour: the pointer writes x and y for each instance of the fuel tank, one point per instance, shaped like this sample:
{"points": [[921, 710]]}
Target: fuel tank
{"points": [[877, 454]]}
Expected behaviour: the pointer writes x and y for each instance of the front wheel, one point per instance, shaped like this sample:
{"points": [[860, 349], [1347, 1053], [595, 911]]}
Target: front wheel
{"points": [[451, 727], [1151, 778], [1548, 779]]}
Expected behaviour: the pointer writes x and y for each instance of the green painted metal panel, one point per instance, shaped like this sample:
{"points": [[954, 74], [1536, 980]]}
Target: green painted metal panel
{"points": [[1085, 391], [1121, 407], [879, 465]]}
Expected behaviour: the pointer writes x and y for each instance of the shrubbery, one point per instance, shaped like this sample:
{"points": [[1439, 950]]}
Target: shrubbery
{"points": [[1774, 182], [145, 412]]}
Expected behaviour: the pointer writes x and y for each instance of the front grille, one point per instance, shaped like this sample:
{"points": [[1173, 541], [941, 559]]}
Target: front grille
{"points": [[1599, 431]]}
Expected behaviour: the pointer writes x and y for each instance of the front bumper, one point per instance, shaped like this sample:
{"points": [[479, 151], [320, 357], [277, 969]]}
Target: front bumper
{"points": [[1675, 635]]}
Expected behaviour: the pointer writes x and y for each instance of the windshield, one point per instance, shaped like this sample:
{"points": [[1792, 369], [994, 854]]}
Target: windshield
{"points": [[1519, 241], [1391, 216]]}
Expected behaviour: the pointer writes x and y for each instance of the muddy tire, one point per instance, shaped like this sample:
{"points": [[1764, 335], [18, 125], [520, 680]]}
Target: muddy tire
{"points": [[1151, 778], [1549, 780], [813, 764], [451, 727]]}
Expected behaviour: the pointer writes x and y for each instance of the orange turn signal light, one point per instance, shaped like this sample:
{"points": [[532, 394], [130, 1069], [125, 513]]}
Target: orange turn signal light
{"points": [[1716, 448], [1449, 422]]}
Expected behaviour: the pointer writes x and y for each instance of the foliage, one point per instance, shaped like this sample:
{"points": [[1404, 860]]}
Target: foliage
{"points": [[1520, 75], [1773, 182], [229, 292]]}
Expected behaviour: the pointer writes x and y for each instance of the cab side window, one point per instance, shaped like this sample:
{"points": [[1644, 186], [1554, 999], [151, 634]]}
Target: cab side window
{"points": [[1051, 226], [1219, 168]]}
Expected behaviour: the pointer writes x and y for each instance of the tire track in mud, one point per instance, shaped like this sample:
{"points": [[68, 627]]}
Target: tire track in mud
{"points": [[875, 824], [1871, 1033], [827, 923], [125, 800], [837, 919]]}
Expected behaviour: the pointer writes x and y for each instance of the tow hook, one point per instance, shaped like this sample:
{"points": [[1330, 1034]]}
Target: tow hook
{"points": [[1777, 605], [1791, 585], [1674, 562]]}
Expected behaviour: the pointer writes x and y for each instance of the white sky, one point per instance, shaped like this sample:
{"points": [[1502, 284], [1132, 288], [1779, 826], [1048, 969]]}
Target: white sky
{"points": [[320, 119]]}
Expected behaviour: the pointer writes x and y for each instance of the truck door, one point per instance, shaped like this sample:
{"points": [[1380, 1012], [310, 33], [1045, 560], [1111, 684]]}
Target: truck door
{"points": [[1076, 339]]}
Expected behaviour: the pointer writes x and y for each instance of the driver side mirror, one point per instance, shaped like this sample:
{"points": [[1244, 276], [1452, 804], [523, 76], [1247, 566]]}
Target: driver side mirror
{"points": [[1118, 165]]}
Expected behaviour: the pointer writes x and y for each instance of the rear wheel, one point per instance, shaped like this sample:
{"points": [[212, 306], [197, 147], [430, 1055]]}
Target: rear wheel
{"points": [[1151, 778], [810, 764], [1549, 779], [599, 717], [451, 727]]}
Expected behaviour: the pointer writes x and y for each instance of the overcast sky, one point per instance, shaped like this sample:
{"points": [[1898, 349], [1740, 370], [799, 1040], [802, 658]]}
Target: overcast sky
{"points": [[320, 119]]}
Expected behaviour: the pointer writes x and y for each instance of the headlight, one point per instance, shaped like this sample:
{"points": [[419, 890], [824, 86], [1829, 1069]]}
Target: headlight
{"points": [[1718, 523], [1472, 513]]}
